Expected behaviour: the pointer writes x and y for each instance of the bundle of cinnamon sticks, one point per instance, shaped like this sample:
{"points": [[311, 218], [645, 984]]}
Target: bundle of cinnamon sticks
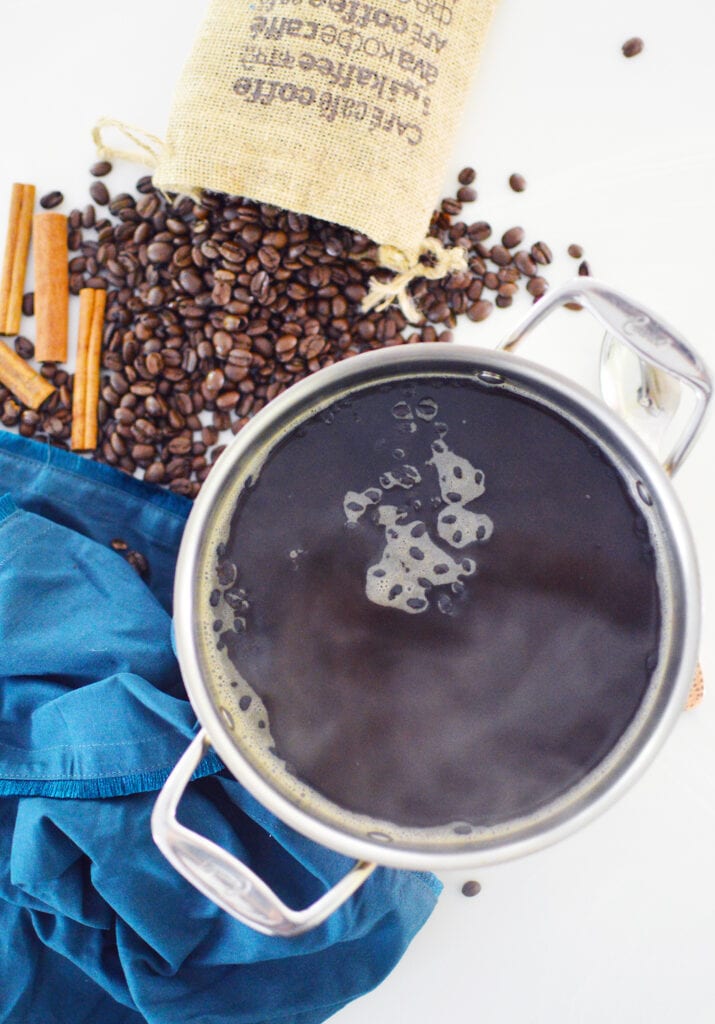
{"points": [[51, 303]]}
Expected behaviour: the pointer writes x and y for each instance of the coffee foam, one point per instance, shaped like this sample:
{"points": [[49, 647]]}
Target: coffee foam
{"points": [[411, 565]]}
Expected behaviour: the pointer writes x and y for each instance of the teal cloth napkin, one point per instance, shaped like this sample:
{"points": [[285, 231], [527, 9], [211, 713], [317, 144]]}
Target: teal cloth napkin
{"points": [[95, 925]]}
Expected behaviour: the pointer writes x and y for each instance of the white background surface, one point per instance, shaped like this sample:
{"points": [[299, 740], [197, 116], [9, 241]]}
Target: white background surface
{"points": [[616, 923]]}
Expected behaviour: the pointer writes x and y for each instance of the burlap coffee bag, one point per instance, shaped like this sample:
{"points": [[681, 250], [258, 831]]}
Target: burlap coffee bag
{"points": [[341, 109]]}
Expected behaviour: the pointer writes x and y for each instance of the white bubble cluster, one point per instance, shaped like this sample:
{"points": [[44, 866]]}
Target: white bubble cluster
{"points": [[460, 483], [405, 477], [411, 565], [356, 502]]}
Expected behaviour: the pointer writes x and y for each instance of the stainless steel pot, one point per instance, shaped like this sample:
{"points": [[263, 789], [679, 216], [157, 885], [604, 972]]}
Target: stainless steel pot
{"points": [[666, 366]]}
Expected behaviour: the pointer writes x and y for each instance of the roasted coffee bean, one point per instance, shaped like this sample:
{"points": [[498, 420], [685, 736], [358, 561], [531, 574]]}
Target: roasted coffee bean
{"points": [[191, 281], [100, 193], [28, 304], [517, 182], [24, 347], [513, 237], [500, 255], [451, 207], [541, 253], [155, 473], [536, 287], [524, 263], [159, 252], [583, 269], [471, 888], [479, 310], [466, 176], [11, 412], [100, 168], [466, 194], [479, 231], [50, 200], [139, 563], [575, 250], [29, 420], [632, 47], [286, 346], [143, 453]]}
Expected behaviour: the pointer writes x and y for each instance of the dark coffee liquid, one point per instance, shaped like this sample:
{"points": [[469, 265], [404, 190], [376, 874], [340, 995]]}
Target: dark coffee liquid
{"points": [[534, 621]]}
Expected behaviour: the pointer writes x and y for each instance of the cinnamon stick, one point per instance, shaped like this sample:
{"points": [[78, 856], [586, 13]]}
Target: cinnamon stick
{"points": [[85, 394], [51, 287], [12, 281], [28, 386]]}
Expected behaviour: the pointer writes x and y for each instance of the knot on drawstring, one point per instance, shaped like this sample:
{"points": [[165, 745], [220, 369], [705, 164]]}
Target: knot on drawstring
{"points": [[407, 268]]}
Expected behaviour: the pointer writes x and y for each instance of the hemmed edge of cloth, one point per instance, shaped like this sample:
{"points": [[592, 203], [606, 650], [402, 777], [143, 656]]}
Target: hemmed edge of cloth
{"points": [[102, 788]]}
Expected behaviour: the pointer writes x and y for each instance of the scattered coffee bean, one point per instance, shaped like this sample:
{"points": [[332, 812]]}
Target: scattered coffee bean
{"points": [[100, 193], [471, 888], [119, 545], [50, 200], [524, 263], [479, 310], [101, 168], [28, 304], [537, 287], [466, 176], [513, 237], [632, 47], [466, 194], [138, 562], [500, 255], [575, 251], [584, 269], [451, 207], [541, 253], [517, 182], [24, 347]]}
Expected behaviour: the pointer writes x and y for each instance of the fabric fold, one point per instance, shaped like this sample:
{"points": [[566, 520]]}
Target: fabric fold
{"points": [[95, 924]]}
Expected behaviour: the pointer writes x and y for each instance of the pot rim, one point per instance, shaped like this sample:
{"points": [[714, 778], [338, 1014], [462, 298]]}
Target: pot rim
{"points": [[608, 781]]}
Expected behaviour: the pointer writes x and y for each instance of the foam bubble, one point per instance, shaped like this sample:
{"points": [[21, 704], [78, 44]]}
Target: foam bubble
{"points": [[355, 503], [426, 409], [405, 477], [402, 411], [459, 526], [459, 481]]}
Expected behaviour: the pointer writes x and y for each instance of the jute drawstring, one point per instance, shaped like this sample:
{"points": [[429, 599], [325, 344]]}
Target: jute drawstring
{"points": [[440, 262], [149, 147]]}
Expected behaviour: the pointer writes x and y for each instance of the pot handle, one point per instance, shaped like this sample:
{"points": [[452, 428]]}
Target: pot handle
{"points": [[653, 341], [224, 879]]}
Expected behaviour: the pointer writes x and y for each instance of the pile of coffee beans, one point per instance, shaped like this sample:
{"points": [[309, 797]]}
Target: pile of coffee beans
{"points": [[215, 307]]}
